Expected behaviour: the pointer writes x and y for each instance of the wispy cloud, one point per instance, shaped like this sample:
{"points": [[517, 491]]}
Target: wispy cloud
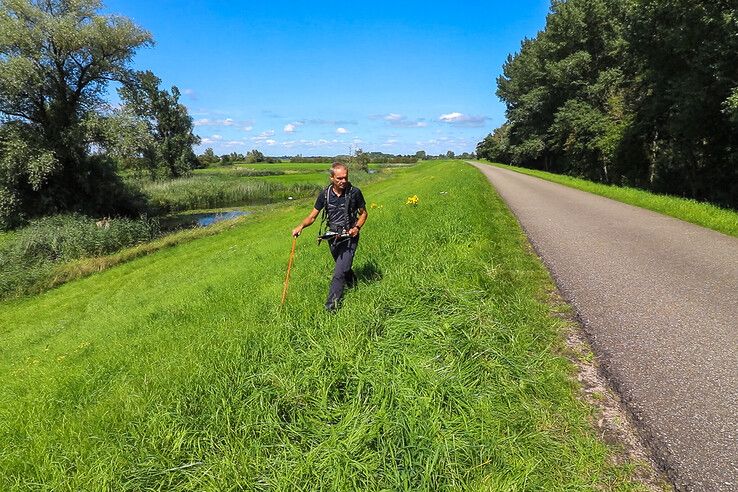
{"points": [[212, 139], [460, 119], [263, 137], [292, 127], [400, 121], [341, 131], [221, 122], [270, 114], [190, 93], [331, 122]]}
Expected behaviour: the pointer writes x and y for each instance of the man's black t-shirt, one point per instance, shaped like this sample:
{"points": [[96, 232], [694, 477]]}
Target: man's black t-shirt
{"points": [[337, 220]]}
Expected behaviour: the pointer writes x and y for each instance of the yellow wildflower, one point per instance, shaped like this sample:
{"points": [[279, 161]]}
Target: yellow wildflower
{"points": [[412, 200]]}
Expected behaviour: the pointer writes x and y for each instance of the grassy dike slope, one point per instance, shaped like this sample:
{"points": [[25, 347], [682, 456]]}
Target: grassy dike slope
{"points": [[178, 371]]}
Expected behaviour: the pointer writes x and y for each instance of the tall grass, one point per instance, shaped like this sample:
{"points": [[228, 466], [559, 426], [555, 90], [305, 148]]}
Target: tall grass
{"points": [[179, 371], [700, 213], [32, 253], [202, 193]]}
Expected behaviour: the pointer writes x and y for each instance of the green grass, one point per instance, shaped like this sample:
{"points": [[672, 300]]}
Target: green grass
{"points": [[5, 236], [439, 373], [700, 213], [238, 186], [320, 178], [32, 254], [282, 166], [202, 192]]}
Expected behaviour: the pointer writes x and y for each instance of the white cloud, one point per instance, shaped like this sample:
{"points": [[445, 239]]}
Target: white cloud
{"points": [[460, 119], [341, 131], [211, 139], [209, 122], [401, 121], [269, 141], [289, 128], [268, 133], [451, 117], [248, 128]]}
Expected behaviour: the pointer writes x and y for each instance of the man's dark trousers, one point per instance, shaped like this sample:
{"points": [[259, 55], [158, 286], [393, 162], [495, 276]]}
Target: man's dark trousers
{"points": [[343, 252]]}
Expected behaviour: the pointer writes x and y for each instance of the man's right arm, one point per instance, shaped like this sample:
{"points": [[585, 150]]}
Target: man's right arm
{"points": [[306, 222]]}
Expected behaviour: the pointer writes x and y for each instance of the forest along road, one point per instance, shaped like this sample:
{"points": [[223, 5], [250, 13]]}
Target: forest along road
{"points": [[658, 298]]}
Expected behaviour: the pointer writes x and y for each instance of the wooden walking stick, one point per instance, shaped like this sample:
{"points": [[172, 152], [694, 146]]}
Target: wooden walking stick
{"points": [[289, 267]]}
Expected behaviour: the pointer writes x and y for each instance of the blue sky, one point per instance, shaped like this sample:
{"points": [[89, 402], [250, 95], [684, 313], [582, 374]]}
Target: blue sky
{"points": [[328, 77]]}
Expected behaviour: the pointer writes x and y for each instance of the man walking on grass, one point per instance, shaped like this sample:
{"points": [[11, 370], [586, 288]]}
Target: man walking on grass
{"points": [[344, 209]]}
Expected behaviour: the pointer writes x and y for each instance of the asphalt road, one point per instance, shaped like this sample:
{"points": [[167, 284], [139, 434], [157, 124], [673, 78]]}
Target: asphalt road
{"points": [[658, 298]]}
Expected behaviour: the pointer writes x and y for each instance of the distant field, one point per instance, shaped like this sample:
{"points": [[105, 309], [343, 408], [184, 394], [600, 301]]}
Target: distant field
{"points": [[179, 371], [284, 166], [319, 178]]}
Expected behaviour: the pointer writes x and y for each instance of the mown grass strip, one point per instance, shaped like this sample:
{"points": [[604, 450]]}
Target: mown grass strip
{"points": [[700, 213], [439, 373]]}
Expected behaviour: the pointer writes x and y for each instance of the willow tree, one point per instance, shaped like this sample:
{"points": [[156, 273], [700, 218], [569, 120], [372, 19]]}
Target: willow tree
{"points": [[56, 58]]}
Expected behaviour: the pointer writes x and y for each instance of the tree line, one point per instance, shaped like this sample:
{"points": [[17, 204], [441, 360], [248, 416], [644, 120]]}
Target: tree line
{"points": [[641, 93], [60, 141]]}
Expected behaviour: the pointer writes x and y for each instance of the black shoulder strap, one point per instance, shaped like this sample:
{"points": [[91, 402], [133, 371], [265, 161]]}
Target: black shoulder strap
{"points": [[347, 205], [324, 215]]}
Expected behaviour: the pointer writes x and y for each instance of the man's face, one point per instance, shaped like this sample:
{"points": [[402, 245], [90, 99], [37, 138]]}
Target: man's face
{"points": [[340, 178]]}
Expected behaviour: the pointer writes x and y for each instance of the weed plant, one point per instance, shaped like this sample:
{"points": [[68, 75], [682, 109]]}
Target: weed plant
{"points": [[33, 252], [700, 213], [180, 371]]}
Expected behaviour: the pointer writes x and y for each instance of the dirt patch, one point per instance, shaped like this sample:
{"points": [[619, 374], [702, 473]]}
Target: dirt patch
{"points": [[611, 419]]}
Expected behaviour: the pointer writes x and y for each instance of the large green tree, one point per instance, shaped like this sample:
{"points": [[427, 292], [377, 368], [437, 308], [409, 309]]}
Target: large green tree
{"points": [[562, 87], [638, 92], [56, 58], [166, 147], [684, 56]]}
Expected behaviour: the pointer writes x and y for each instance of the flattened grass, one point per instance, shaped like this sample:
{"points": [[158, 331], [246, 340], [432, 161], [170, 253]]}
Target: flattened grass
{"points": [[700, 213], [179, 371]]}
